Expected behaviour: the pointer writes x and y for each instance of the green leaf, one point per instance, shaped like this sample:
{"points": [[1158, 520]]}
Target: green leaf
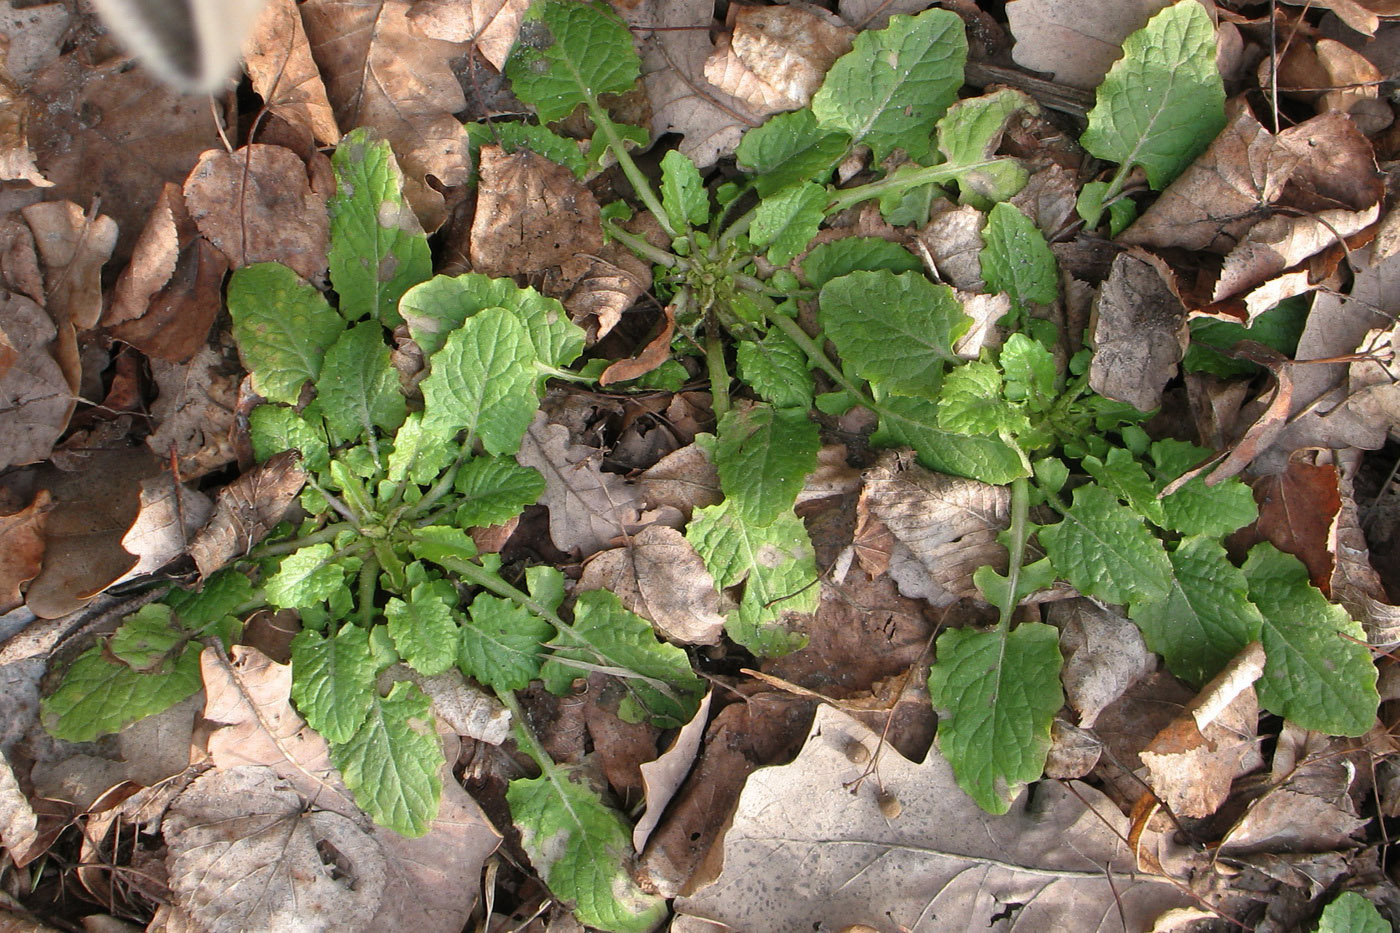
{"points": [[378, 248], [333, 681], [283, 328], [275, 428], [914, 422], [832, 260], [894, 84], [147, 638], [483, 380], [1319, 671], [502, 643], [569, 53], [1279, 327], [359, 388], [1017, 260], [581, 848], [660, 684], [497, 489], [443, 545], [391, 764], [1104, 550], [99, 696], [897, 331], [786, 222], [1206, 616], [776, 368], [763, 455], [789, 148], [972, 402], [304, 578], [1033, 578], [221, 595], [420, 453], [1163, 102], [1351, 913], [775, 563], [683, 194], [970, 132], [1123, 475], [996, 694], [441, 304], [1195, 508], [424, 628], [541, 140]]}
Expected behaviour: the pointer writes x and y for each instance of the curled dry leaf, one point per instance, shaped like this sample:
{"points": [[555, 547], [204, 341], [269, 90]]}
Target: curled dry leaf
{"points": [[661, 578], [775, 57], [278, 59], [21, 549], [35, 399], [246, 510], [73, 248], [1281, 242], [195, 412], [490, 25], [19, 824], [664, 776], [169, 516], [256, 205], [16, 158], [1139, 332], [381, 73], [656, 352], [531, 214]]}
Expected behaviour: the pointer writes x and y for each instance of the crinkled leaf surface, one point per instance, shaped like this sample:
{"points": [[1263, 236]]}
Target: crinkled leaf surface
{"points": [[333, 680], [762, 455], [1319, 672], [776, 368], [832, 260], [683, 194], [1163, 102], [275, 428], [1017, 260], [786, 221], [283, 328], [358, 387], [996, 694], [1206, 616], [497, 489], [147, 637], [424, 627], [914, 421], [483, 380], [972, 402], [1104, 550], [789, 148], [1195, 508], [440, 305], [391, 764], [582, 849], [502, 643], [895, 330], [305, 577], [99, 696], [894, 84], [1123, 475], [567, 54], [378, 248]]}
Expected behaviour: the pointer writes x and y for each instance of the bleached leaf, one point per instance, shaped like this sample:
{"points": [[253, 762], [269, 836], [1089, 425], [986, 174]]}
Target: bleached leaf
{"points": [[659, 576]]}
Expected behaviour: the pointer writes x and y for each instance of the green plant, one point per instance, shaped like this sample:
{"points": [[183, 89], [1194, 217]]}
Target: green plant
{"points": [[383, 570]]}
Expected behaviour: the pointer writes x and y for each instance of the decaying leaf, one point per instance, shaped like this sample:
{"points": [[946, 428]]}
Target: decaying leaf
{"points": [[531, 214], [490, 25], [35, 399], [1140, 331], [196, 411], [775, 57], [169, 516], [21, 549], [19, 824], [277, 55], [663, 776], [659, 576], [859, 865], [1104, 656], [246, 510], [1076, 41], [73, 247]]}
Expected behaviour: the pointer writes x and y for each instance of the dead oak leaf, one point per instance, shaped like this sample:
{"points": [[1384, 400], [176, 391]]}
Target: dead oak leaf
{"points": [[659, 576], [490, 25], [1139, 332], [257, 205], [247, 509], [195, 412], [73, 247], [381, 73], [531, 214], [35, 399], [278, 59], [776, 57], [1075, 40]]}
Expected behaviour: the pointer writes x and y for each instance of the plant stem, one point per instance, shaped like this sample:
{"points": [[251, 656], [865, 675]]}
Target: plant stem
{"points": [[641, 247], [819, 359], [719, 373], [526, 739], [368, 583], [898, 184], [328, 533], [1020, 509], [635, 176]]}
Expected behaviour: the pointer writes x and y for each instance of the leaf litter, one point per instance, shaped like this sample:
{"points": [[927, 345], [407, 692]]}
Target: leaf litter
{"points": [[644, 523]]}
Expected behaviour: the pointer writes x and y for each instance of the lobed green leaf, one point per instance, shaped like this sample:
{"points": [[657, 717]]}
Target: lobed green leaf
{"points": [[763, 455], [392, 764], [1106, 551], [333, 680], [502, 643]]}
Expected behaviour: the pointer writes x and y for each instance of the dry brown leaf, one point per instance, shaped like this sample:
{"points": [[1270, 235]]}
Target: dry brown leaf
{"points": [[256, 205], [1338, 170], [610, 284], [588, 509], [1075, 40], [775, 57], [656, 352], [73, 247], [278, 58], [21, 549], [953, 239], [1298, 511], [169, 516], [35, 36], [1105, 655], [531, 214], [16, 158], [490, 25], [1281, 242], [684, 480], [196, 412], [381, 73], [153, 258], [663, 777], [247, 509], [659, 576], [462, 707], [19, 824], [35, 399], [947, 525], [675, 44], [1139, 333], [1362, 15]]}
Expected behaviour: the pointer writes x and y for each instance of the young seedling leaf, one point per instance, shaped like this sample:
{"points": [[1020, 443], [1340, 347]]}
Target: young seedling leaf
{"points": [[378, 248], [502, 643], [774, 562], [100, 696], [897, 331], [1104, 550], [420, 453], [776, 368], [789, 148], [763, 455], [683, 193], [914, 422], [660, 684], [424, 627], [443, 545], [1017, 260], [1123, 475], [1163, 102], [973, 402], [894, 84], [441, 304], [496, 489], [582, 849], [305, 577], [1206, 616], [786, 222], [1319, 672], [333, 680], [483, 380], [996, 694], [1029, 370], [392, 763], [283, 328], [358, 387], [569, 53]]}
